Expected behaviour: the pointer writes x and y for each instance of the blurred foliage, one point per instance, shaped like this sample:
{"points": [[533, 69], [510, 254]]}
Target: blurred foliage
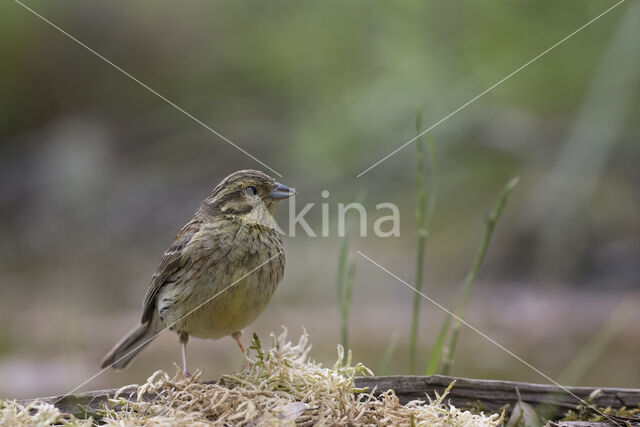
{"points": [[318, 91], [97, 174]]}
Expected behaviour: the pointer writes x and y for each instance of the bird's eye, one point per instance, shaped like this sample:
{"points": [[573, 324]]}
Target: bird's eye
{"points": [[251, 190]]}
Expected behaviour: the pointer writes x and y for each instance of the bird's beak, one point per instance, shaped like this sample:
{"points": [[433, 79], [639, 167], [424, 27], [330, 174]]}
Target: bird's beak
{"points": [[281, 192]]}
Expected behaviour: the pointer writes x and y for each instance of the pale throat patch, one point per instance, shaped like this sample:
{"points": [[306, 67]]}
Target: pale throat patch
{"points": [[260, 215]]}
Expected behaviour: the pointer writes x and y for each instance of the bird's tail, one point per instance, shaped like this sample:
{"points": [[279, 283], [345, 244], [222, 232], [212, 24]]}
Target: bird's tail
{"points": [[129, 347]]}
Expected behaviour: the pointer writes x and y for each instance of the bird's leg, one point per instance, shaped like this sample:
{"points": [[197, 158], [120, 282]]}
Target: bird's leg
{"points": [[184, 338], [246, 362], [236, 336]]}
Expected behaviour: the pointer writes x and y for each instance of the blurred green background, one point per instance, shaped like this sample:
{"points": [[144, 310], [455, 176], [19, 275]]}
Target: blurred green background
{"points": [[97, 174]]}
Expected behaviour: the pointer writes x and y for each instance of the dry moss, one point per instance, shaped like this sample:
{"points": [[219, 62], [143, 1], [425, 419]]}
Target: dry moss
{"points": [[279, 386], [13, 413]]}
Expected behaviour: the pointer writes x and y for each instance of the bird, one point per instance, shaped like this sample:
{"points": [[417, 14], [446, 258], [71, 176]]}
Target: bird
{"points": [[219, 273]]}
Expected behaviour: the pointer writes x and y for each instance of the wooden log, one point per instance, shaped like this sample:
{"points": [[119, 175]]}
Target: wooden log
{"points": [[82, 405], [491, 394], [494, 394], [578, 424]]}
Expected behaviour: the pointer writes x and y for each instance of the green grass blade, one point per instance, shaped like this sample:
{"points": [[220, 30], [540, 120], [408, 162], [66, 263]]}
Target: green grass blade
{"points": [[423, 218], [346, 303], [588, 354], [345, 280], [342, 265], [433, 176], [436, 351], [388, 354], [471, 276], [420, 219]]}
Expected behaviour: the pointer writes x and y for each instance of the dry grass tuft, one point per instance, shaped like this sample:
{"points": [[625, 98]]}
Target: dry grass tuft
{"points": [[279, 386], [13, 413]]}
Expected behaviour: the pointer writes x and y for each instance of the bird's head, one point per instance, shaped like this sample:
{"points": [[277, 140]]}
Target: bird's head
{"points": [[249, 195]]}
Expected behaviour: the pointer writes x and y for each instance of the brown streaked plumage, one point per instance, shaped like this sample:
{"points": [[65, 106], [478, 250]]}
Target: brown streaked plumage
{"points": [[220, 271]]}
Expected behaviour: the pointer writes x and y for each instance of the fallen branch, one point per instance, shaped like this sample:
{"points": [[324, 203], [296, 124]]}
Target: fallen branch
{"points": [[490, 394], [494, 394]]}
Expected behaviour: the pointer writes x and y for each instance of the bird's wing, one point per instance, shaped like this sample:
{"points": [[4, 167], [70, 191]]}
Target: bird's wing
{"points": [[171, 261]]}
